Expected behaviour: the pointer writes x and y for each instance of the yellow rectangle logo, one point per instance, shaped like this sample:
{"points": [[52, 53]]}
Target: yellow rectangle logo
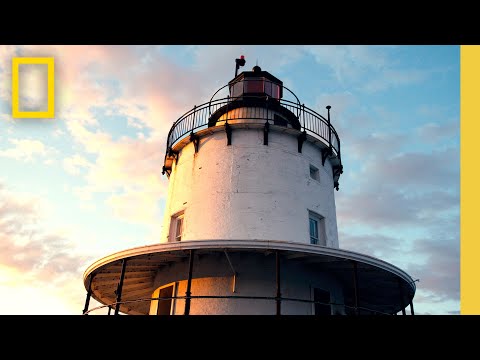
{"points": [[50, 113]]}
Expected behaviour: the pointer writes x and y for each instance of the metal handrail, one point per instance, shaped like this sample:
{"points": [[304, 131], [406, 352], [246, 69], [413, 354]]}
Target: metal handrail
{"points": [[310, 121], [271, 298]]}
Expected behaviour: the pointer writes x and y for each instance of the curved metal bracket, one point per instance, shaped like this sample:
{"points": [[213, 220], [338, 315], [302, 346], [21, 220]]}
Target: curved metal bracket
{"points": [[265, 133], [166, 171], [228, 130], [325, 153], [337, 170], [196, 140], [301, 139]]}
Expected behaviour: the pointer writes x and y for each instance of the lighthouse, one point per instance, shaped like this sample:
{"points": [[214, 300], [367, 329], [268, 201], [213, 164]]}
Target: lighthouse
{"points": [[249, 223]]}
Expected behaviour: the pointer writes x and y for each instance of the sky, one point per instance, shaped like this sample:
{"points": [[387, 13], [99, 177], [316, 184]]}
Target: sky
{"points": [[89, 182]]}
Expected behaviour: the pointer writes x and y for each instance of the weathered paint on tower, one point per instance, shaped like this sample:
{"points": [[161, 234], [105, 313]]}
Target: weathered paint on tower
{"points": [[249, 190]]}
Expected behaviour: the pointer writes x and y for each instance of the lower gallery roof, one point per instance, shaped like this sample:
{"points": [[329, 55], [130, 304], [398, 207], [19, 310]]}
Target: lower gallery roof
{"points": [[379, 282]]}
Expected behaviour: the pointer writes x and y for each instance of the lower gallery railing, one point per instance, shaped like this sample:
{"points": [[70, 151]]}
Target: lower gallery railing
{"points": [[352, 310]]}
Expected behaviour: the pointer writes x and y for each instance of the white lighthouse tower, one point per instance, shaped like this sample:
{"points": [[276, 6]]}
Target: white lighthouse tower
{"points": [[250, 222]]}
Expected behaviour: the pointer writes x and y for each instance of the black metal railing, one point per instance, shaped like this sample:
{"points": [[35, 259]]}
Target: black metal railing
{"points": [[198, 119], [350, 310]]}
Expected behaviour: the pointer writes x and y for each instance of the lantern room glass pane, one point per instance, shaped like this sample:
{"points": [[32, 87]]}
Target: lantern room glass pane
{"points": [[254, 86]]}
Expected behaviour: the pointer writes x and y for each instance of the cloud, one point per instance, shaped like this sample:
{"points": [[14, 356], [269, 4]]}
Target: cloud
{"points": [[145, 208], [134, 82], [26, 150], [375, 144], [391, 205], [403, 207], [350, 61], [395, 78], [381, 208], [366, 68], [434, 259], [438, 169], [374, 244], [142, 82], [24, 246], [398, 185], [438, 289], [35, 262], [390, 160], [433, 132], [392, 185], [6, 53], [127, 169], [341, 103], [73, 164], [440, 273], [58, 133]]}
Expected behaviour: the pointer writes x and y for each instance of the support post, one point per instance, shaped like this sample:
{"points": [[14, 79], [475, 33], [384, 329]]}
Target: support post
{"points": [[194, 115], [89, 294], [401, 297], [411, 308], [277, 271], [355, 286], [120, 286], [188, 293], [233, 270], [329, 128]]}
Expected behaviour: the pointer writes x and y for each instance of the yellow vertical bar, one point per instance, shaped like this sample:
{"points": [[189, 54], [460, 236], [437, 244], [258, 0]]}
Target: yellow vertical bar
{"points": [[469, 179]]}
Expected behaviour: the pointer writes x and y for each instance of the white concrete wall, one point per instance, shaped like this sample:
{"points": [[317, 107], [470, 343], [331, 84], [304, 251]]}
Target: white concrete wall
{"points": [[249, 190], [256, 276]]}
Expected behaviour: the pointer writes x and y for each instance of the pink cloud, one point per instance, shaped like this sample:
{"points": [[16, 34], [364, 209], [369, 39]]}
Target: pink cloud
{"points": [[35, 263], [129, 169]]}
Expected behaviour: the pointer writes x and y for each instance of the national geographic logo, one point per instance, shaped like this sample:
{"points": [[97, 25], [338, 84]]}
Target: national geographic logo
{"points": [[27, 61]]}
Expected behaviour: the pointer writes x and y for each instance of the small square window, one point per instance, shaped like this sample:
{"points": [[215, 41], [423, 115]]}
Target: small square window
{"points": [[316, 224], [313, 231], [177, 227], [314, 173]]}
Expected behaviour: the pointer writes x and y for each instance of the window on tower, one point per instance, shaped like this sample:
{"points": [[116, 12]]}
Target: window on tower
{"points": [[314, 173], [322, 302], [317, 229], [177, 227], [165, 306]]}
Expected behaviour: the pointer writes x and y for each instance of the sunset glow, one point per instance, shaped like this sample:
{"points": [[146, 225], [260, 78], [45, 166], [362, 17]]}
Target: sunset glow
{"points": [[89, 182]]}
